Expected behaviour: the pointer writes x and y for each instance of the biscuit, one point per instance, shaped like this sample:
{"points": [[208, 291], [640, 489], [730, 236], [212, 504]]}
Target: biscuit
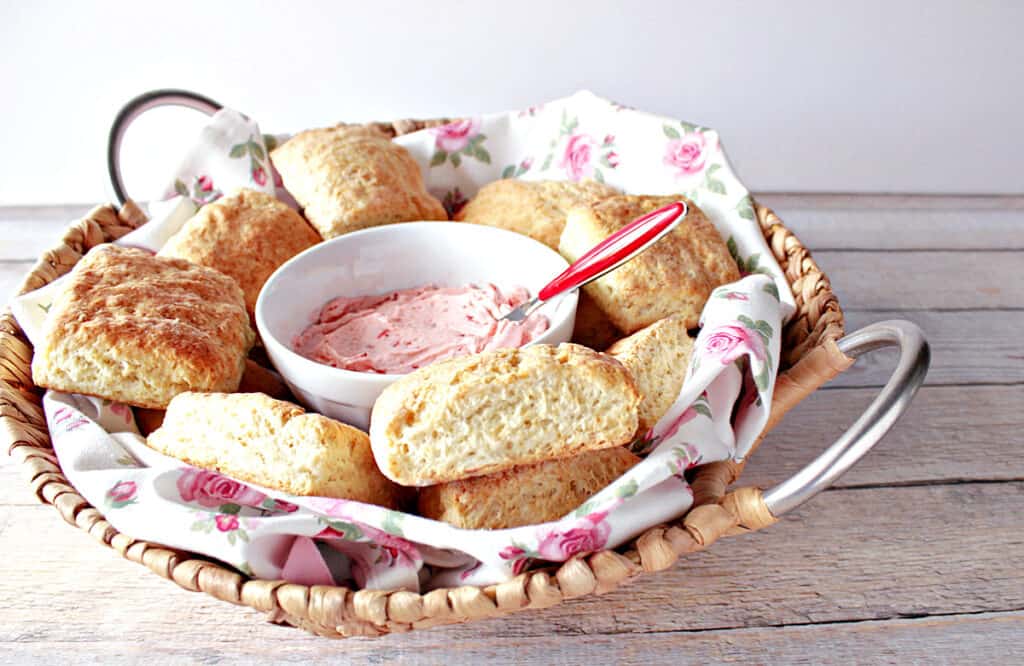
{"points": [[593, 328], [139, 329], [675, 275], [246, 236], [657, 357], [535, 209], [527, 494], [487, 412], [349, 178], [274, 444], [258, 379]]}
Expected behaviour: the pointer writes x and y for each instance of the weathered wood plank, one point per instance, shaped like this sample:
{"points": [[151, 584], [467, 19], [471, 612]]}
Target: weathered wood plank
{"points": [[956, 639], [849, 555], [971, 347], [893, 229], [877, 201], [925, 280], [951, 433]]}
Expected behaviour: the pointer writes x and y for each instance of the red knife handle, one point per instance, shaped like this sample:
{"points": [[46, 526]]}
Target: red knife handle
{"points": [[616, 250]]}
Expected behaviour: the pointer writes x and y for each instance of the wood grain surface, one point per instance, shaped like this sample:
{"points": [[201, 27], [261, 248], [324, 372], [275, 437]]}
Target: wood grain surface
{"points": [[913, 557]]}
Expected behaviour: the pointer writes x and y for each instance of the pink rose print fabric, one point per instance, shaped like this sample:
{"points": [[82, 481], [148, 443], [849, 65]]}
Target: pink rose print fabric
{"points": [[687, 155], [718, 414], [226, 522], [588, 535], [121, 494], [211, 490], [457, 141], [727, 343], [578, 158], [455, 136]]}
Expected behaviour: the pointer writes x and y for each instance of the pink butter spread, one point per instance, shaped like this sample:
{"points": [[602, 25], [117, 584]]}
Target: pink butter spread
{"points": [[399, 332]]}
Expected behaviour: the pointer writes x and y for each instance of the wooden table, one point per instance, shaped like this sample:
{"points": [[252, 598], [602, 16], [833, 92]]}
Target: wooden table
{"points": [[917, 554]]}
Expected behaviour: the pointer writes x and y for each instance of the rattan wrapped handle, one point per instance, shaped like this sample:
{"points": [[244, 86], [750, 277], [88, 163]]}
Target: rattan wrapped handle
{"points": [[135, 108], [873, 424]]}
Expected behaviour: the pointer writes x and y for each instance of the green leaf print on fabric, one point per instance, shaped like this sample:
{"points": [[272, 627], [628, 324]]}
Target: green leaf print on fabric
{"points": [[745, 208], [459, 140], [748, 266], [392, 523]]}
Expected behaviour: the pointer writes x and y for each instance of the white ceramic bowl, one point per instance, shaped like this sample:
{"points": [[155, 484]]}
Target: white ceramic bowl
{"points": [[384, 259]]}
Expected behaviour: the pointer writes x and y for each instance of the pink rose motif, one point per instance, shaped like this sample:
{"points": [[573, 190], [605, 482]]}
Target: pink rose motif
{"points": [[518, 555], [287, 507], [453, 137], [578, 159], [526, 164], [124, 411], [736, 296], [123, 491], [259, 176], [691, 458], [226, 522], [210, 489], [330, 533], [395, 550], [612, 159], [205, 183], [687, 154], [519, 565], [511, 552], [609, 139], [728, 343], [588, 535]]}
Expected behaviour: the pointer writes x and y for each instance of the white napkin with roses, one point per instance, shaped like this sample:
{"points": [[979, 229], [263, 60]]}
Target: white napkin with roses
{"points": [[720, 411]]}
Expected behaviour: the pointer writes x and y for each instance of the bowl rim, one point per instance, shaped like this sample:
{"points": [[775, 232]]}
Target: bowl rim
{"points": [[377, 378]]}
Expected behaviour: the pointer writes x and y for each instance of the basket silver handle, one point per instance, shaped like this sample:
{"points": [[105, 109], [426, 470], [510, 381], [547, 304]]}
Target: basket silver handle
{"points": [[135, 108], [873, 424]]}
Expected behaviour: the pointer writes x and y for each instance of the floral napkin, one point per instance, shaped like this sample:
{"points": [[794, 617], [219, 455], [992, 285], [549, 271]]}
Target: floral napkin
{"points": [[720, 411]]}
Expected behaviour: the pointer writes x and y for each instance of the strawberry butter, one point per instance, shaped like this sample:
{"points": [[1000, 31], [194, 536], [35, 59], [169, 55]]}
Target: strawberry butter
{"points": [[399, 332]]}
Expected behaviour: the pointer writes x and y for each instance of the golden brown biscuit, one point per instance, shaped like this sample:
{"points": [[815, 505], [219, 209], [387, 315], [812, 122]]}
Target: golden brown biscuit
{"points": [[272, 443], [593, 328], [258, 379], [246, 236], [535, 209], [349, 178], [657, 356], [525, 495], [139, 329], [490, 411], [675, 275]]}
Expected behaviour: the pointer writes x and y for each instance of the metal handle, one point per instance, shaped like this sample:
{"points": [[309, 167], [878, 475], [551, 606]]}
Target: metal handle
{"points": [[873, 424], [135, 108]]}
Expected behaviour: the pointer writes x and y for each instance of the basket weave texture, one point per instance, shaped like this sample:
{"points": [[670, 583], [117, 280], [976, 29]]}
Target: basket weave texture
{"points": [[810, 358]]}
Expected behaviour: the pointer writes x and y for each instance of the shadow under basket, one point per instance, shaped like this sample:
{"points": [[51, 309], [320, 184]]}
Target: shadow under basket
{"points": [[810, 357]]}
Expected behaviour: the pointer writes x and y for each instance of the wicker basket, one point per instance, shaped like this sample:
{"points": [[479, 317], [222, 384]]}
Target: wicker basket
{"points": [[810, 357]]}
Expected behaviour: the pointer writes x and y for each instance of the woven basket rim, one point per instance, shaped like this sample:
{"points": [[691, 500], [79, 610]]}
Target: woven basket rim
{"points": [[810, 358]]}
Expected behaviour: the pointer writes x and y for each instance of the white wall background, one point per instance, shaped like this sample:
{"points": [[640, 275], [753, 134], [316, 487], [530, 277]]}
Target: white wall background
{"points": [[809, 96]]}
